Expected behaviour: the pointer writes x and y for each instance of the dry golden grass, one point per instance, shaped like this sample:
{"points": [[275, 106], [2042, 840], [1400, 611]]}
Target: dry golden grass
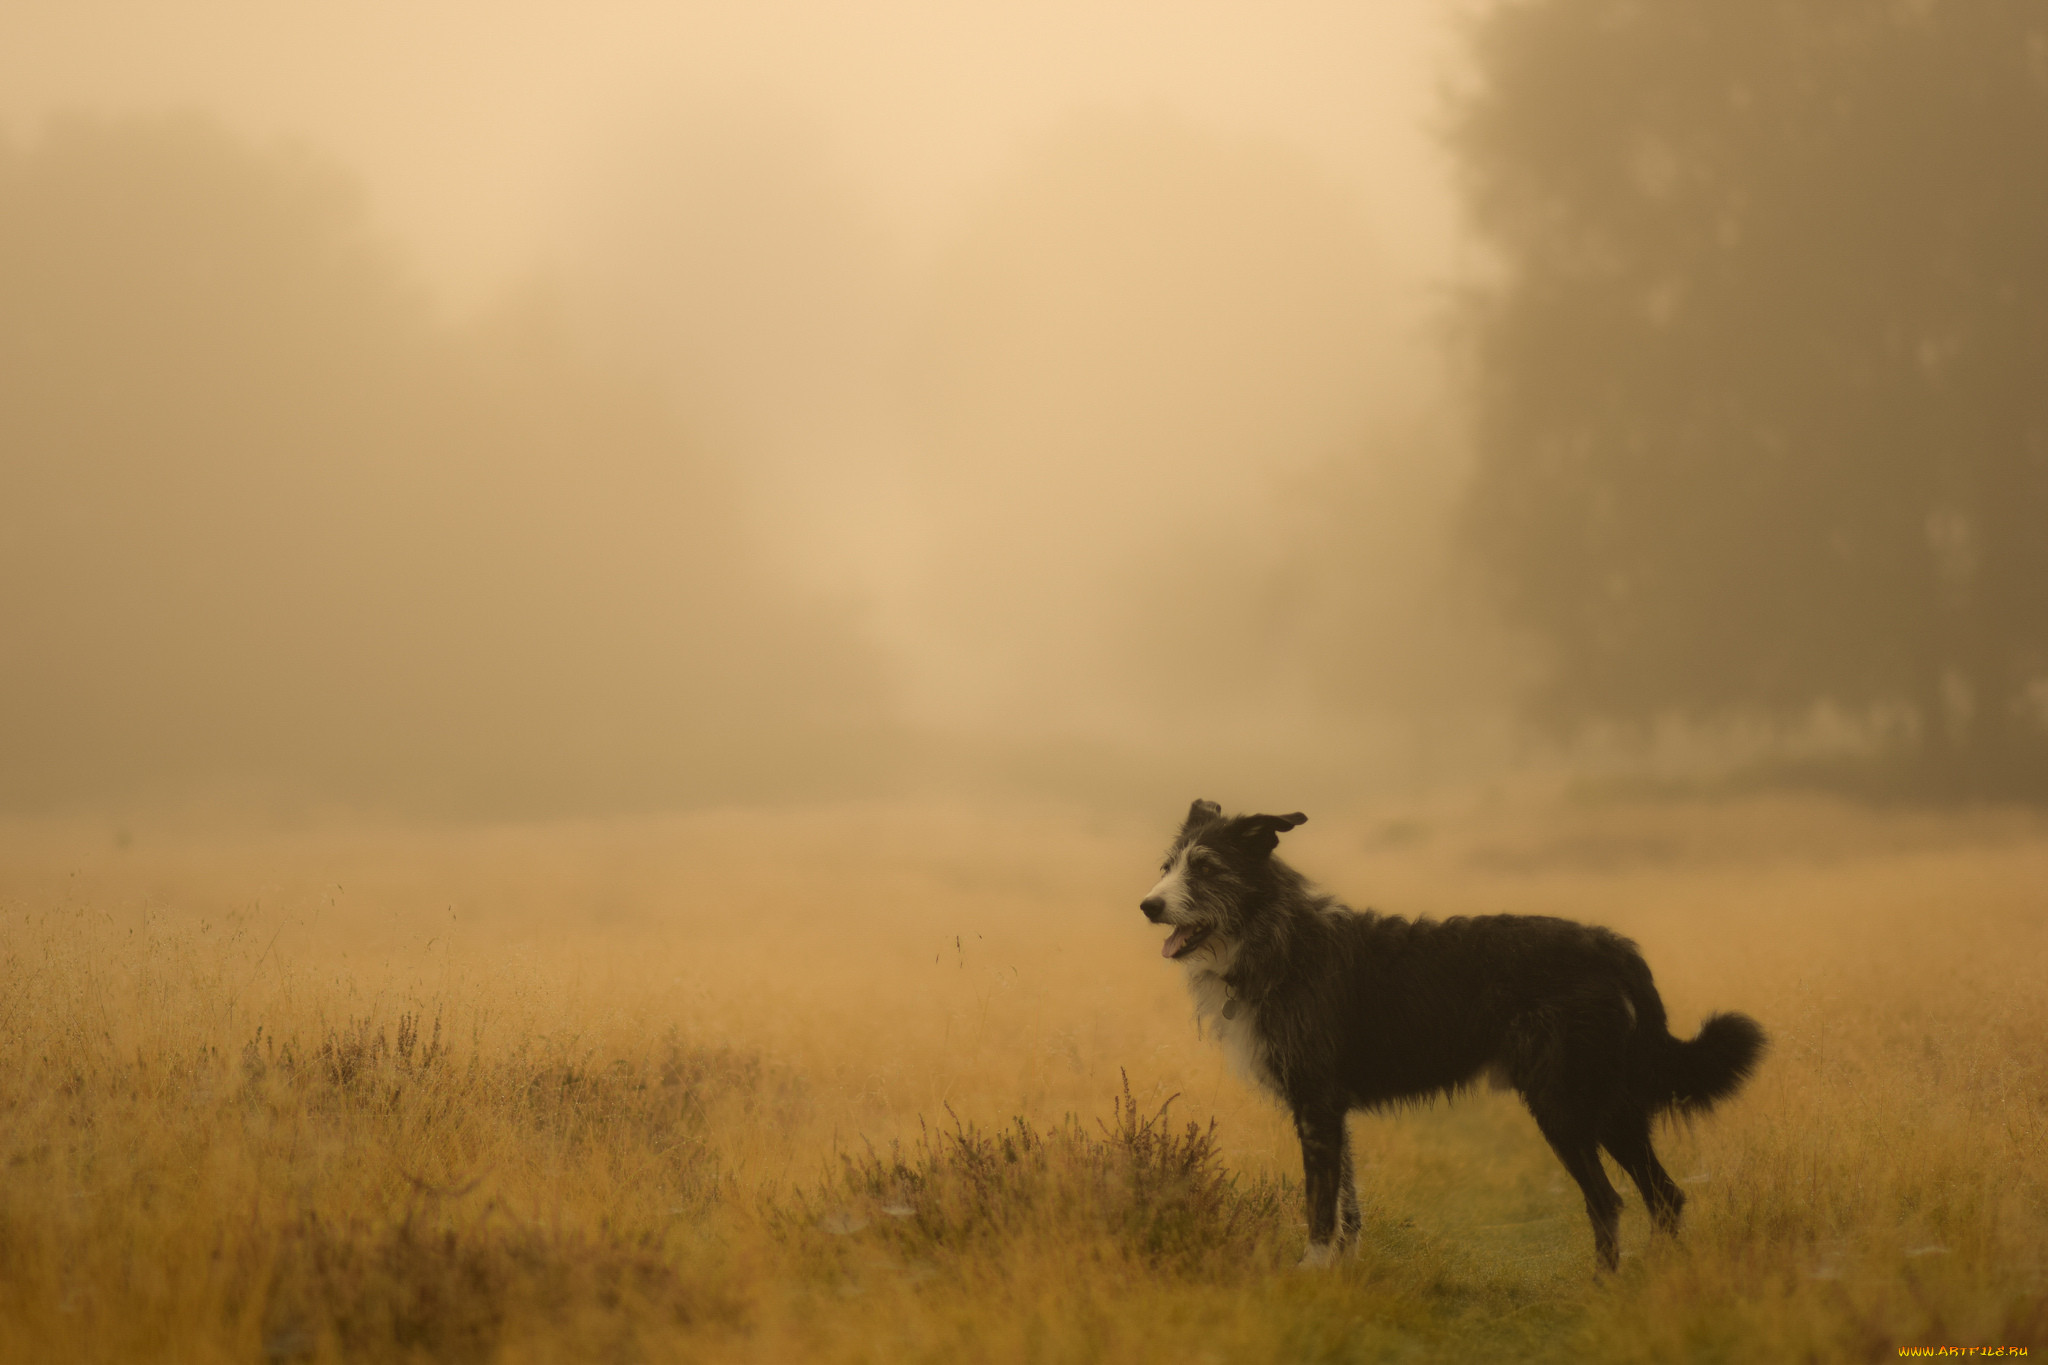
{"points": [[847, 1084]]}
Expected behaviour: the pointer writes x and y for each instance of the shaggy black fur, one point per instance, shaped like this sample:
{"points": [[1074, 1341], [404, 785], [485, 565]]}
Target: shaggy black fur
{"points": [[1334, 1010]]}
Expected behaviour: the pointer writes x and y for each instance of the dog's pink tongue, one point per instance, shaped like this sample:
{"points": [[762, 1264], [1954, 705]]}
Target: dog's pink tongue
{"points": [[1175, 941]]}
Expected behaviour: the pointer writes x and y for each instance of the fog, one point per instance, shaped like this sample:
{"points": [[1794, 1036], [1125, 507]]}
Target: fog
{"points": [[503, 408], [499, 408]]}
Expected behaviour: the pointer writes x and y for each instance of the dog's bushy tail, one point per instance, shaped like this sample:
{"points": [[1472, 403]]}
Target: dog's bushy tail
{"points": [[1698, 1073]]}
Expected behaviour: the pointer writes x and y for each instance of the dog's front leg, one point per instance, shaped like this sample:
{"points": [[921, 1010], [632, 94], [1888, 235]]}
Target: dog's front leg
{"points": [[1349, 1221], [1323, 1171]]}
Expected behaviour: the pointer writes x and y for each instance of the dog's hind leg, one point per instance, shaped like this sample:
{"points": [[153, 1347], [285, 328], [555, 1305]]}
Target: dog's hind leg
{"points": [[1324, 1164], [1626, 1136], [1348, 1219], [1580, 1153]]}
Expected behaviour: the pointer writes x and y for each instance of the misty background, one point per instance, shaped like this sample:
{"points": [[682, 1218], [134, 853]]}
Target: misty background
{"points": [[498, 410]]}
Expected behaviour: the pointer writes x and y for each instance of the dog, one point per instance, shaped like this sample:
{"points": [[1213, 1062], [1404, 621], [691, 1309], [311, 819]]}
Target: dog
{"points": [[1334, 1010]]}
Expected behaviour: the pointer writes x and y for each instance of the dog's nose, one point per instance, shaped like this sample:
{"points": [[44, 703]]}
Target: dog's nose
{"points": [[1153, 907]]}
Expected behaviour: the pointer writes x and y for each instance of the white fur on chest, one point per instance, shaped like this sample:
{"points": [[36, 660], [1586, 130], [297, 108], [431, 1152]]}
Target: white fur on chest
{"points": [[1239, 1036]]}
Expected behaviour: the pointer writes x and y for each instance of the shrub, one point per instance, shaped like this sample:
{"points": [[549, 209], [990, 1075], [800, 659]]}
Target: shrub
{"points": [[1157, 1196]]}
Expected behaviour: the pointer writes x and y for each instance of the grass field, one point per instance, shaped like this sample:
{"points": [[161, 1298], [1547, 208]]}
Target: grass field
{"points": [[850, 1084]]}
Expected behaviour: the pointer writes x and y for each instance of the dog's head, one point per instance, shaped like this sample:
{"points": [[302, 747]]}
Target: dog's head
{"points": [[1211, 884]]}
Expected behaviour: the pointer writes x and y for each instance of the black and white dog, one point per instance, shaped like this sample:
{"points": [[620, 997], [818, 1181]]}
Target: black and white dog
{"points": [[1333, 1010]]}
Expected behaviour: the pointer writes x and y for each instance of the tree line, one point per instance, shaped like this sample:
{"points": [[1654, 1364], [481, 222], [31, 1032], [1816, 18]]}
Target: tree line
{"points": [[269, 526], [1762, 372]]}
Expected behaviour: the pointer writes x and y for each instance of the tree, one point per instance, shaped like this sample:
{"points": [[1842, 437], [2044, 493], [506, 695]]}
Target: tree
{"points": [[1763, 376], [264, 522]]}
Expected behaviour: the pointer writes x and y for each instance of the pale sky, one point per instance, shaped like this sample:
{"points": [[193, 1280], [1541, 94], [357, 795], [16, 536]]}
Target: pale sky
{"points": [[475, 124]]}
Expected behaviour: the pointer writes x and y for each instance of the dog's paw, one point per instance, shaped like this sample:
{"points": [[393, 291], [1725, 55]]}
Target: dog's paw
{"points": [[1318, 1255]]}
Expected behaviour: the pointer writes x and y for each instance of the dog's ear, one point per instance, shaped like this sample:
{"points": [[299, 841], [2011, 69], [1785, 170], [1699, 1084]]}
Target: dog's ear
{"points": [[1263, 832], [1201, 813]]}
